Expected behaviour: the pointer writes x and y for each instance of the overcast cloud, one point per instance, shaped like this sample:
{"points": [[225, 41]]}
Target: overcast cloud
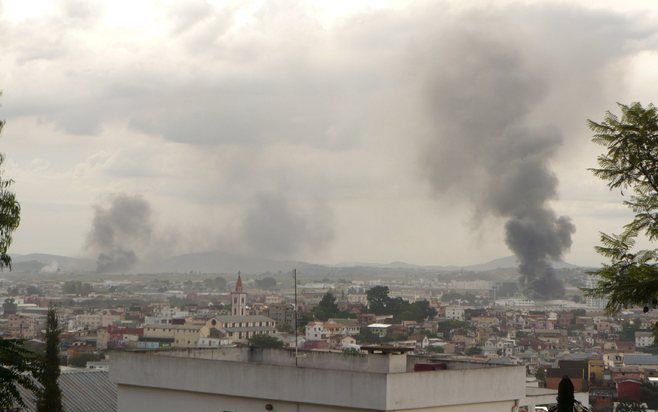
{"points": [[232, 117]]}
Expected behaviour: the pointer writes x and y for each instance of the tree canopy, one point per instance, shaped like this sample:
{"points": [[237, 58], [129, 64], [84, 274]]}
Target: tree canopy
{"points": [[265, 341], [380, 303], [266, 283], [10, 211], [630, 164], [16, 362]]}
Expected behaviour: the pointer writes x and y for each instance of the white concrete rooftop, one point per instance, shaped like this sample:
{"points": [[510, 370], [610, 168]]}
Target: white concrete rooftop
{"points": [[382, 382]]}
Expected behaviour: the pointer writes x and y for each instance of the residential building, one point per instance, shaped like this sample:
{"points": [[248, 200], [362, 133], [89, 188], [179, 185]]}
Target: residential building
{"points": [[184, 336], [282, 313], [643, 339], [329, 329], [455, 313]]}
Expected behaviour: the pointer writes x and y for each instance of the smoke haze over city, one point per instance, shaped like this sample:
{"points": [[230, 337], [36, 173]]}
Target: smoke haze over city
{"points": [[437, 134]]}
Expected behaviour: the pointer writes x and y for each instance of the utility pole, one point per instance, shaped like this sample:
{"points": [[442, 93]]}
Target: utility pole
{"points": [[294, 276]]}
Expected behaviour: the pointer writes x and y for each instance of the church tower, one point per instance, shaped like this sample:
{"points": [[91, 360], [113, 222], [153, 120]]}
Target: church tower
{"points": [[239, 299]]}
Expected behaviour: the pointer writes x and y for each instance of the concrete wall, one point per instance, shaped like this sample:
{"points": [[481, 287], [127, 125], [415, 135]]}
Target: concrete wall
{"points": [[313, 386], [455, 387], [182, 378], [377, 363], [139, 399]]}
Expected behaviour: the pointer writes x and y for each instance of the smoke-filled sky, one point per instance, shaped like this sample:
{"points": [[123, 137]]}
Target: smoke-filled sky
{"points": [[329, 131]]}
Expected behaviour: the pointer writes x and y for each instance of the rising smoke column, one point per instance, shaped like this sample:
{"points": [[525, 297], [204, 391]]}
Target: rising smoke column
{"points": [[276, 227], [121, 230], [486, 147]]}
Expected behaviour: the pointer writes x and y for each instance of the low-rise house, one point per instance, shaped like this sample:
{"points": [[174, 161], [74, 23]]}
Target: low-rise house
{"points": [[454, 313], [379, 329], [643, 339], [332, 327], [184, 336]]}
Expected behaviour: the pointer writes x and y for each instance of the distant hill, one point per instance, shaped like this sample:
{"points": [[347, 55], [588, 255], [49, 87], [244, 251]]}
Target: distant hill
{"points": [[509, 262], [222, 262], [46, 263]]}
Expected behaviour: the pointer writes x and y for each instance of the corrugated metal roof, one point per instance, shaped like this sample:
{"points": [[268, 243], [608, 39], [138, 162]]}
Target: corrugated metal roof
{"points": [[82, 391], [641, 359]]}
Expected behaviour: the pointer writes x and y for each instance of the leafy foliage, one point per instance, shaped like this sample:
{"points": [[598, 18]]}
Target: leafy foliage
{"points": [[50, 397], [381, 304], [265, 341], [216, 283], [80, 360], [266, 283], [435, 349], [9, 306], [630, 163], [327, 308], [565, 397], [649, 395], [10, 211], [474, 351], [16, 365], [16, 362]]}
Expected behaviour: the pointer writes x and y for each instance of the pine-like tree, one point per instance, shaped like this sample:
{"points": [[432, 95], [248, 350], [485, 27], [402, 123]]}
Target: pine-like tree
{"points": [[565, 397], [50, 397]]}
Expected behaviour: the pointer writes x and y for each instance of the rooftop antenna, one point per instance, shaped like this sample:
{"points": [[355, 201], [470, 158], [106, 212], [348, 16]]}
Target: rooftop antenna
{"points": [[294, 276]]}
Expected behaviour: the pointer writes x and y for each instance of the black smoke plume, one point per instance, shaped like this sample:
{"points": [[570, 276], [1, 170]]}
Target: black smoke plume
{"points": [[486, 148], [121, 230]]}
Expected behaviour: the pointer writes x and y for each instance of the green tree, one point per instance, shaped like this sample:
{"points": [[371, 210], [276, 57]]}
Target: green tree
{"points": [[381, 304], [266, 283], [327, 308], [630, 163], [565, 398], [80, 360], [474, 351], [16, 365], [15, 360], [435, 349], [9, 306], [649, 395], [540, 374], [265, 341], [628, 330], [10, 212], [50, 397], [378, 299]]}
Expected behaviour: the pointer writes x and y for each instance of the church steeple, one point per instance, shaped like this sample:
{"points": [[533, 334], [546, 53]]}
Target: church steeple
{"points": [[238, 299], [238, 284]]}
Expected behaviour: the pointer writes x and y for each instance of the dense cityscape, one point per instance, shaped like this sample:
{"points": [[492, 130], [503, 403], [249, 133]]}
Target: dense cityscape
{"points": [[451, 316]]}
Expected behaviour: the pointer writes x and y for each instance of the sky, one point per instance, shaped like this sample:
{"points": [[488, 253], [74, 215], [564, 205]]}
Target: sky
{"points": [[322, 131]]}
